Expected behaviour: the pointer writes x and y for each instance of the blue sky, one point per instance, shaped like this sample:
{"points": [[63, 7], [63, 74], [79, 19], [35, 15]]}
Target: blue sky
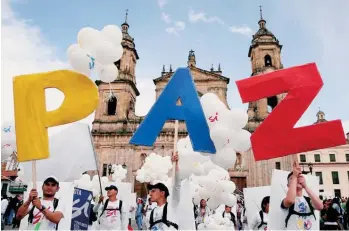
{"points": [[165, 30]]}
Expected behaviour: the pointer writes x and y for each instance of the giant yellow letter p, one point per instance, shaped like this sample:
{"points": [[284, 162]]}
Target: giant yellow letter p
{"points": [[31, 117]]}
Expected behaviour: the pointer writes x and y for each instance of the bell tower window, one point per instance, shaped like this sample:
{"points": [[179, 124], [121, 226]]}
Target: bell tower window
{"points": [[267, 61], [112, 102]]}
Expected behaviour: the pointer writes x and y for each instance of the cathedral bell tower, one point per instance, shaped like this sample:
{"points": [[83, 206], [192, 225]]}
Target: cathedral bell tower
{"points": [[117, 100], [264, 53]]}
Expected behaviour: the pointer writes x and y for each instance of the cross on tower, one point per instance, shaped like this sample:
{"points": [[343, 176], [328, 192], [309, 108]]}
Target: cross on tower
{"points": [[260, 10], [126, 15]]}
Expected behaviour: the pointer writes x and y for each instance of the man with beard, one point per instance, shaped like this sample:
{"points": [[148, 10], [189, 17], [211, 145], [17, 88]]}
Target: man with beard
{"points": [[44, 213]]}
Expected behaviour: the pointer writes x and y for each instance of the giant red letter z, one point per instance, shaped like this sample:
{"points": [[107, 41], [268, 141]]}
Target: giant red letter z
{"points": [[276, 136]]}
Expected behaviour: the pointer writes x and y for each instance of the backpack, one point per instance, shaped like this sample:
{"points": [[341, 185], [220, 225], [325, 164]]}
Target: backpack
{"points": [[93, 215], [292, 212], [31, 212], [232, 217], [163, 219], [262, 220], [106, 205]]}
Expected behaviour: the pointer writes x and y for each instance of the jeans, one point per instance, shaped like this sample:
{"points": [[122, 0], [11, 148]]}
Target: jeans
{"points": [[10, 217], [139, 221]]}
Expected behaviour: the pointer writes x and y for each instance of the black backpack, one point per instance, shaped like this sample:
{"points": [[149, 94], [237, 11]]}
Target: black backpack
{"points": [[232, 217], [31, 212], [106, 205], [292, 212], [262, 220], [163, 219]]}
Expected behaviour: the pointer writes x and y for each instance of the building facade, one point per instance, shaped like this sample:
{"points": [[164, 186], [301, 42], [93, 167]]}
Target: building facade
{"points": [[115, 118], [331, 165]]}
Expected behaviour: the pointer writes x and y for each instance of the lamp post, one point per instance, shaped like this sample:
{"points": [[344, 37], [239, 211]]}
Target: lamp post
{"points": [[110, 172], [310, 165]]}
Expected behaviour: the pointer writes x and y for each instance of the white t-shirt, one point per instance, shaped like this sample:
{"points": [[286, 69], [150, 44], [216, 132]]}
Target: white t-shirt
{"points": [[111, 218], [40, 222], [298, 222], [171, 208], [227, 216], [4, 204], [171, 216], [257, 222], [203, 213]]}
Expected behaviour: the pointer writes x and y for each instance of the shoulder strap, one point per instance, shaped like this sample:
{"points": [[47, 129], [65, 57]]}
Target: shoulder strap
{"points": [[290, 212], [151, 220], [262, 219], [31, 214], [55, 203], [232, 218], [163, 219], [104, 207], [310, 206], [120, 206]]}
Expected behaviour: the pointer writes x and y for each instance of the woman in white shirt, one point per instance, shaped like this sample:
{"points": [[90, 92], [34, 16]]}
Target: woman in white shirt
{"points": [[202, 212], [260, 221]]}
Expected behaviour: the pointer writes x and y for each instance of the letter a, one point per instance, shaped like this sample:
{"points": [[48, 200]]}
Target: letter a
{"points": [[31, 117], [181, 86]]}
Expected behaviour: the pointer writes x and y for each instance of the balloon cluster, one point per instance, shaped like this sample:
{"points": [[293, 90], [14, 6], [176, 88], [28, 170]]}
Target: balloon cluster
{"points": [[119, 173], [8, 140], [97, 50], [155, 168], [215, 222], [93, 185], [226, 130], [216, 188]]}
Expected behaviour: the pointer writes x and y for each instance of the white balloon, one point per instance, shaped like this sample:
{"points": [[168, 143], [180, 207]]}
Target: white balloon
{"points": [[112, 34], [108, 53], [235, 119], [231, 200], [225, 158], [219, 135], [244, 141], [73, 48], [107, 73], [227, 186], [80, 61], [212, 203], [88, 39]]}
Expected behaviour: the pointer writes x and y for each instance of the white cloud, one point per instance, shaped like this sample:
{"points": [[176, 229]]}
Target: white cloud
{"points": [[166, 18], [195, 17], [25, 51], [244, 30], [178, 26], [147, 98], [162, 3], [171, 30], [345, 126]]}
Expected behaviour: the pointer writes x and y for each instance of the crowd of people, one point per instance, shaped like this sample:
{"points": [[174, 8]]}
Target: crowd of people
{"points": [[335, 214], [9, 208], [156, 212]]}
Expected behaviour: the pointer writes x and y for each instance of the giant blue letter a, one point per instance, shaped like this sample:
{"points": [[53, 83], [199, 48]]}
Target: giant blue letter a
{"points": [[181, 86]]}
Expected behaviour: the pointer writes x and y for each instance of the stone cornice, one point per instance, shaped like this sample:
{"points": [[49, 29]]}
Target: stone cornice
{"points": [[131, 83], [169, 74]]}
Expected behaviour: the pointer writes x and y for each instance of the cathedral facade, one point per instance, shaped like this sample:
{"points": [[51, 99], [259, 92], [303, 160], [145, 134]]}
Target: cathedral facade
{"points": [[115, 119]]}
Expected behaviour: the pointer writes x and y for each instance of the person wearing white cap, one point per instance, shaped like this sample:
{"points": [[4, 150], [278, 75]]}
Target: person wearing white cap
{"points": [[111, 214], [44, 213]]}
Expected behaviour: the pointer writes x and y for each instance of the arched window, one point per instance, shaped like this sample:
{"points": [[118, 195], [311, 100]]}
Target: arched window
{"points": [[267, 61], [112, 102]]}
